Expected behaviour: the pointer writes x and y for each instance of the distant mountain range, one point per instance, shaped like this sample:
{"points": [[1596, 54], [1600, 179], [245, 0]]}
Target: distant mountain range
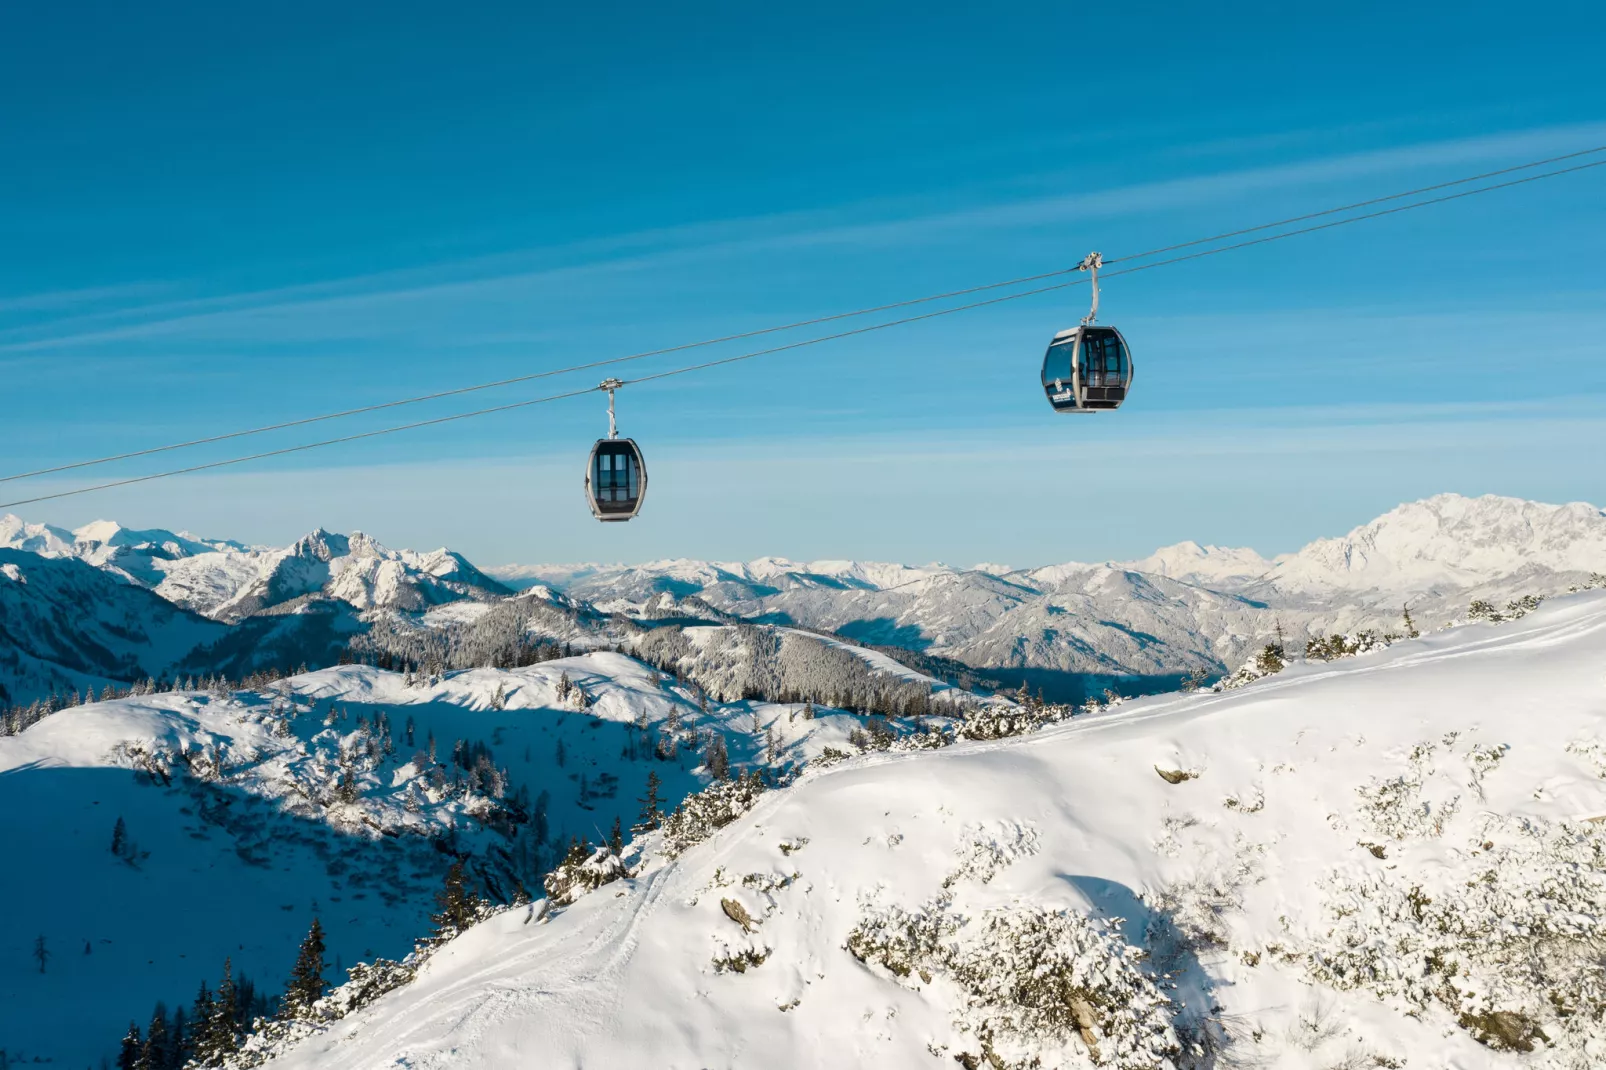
{"points": [[76, 607], [1182, 606]]}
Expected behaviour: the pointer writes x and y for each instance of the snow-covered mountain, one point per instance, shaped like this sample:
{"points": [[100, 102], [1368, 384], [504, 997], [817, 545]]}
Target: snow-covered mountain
{"points": [[1140, 624], [1181, 607], [1393, 860], [226, 580], [1449, 543], [342, 794], [67, 626]]}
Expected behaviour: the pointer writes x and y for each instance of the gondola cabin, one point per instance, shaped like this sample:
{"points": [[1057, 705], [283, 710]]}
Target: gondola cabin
{"points": [[616, 479], [1087, 369]]}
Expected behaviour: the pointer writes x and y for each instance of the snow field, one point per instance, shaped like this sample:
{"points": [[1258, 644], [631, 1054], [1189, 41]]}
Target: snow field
{"points": [[1228, 887], [239, 848]]}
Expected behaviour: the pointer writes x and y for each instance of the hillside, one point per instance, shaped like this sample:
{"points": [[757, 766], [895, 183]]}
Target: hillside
{"points": [[344, 794], [1392, 860], [66, 626]]}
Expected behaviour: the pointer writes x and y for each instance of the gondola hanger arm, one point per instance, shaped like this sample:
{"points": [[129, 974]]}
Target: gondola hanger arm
{"points": [[1091, 264], [610, 385]]}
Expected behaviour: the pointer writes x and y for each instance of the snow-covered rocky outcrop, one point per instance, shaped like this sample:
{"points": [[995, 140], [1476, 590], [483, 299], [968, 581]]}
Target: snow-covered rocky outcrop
{"points": [[1392, 860]]}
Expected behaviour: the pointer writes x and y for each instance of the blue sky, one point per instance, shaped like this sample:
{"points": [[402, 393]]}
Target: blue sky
{"points": [[215, 219]]}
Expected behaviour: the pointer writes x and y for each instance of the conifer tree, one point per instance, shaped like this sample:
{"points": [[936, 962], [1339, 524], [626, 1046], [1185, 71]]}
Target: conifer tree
{"points": [[156, 1053], [616, 837], [306, 978], [178, 1042], [651, 812], [200, 1023], [223, 1028], [458, 906], [719, 762], [119, 838], [128, 1055]]}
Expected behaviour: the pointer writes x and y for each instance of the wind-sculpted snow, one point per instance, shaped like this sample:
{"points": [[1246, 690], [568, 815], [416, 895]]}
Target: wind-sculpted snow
{"points": [[1386, 860]]}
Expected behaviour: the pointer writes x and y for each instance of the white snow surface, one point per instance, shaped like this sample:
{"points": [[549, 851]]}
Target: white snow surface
{"points": [[227, 580], [1440, 774], [236, 864]]}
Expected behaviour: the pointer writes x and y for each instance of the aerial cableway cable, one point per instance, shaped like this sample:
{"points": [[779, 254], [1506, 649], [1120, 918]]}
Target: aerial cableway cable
{"points": [[1281, 235], [799, 324]]}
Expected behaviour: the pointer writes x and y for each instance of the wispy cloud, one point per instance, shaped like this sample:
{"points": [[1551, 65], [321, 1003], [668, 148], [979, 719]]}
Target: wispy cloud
{"points": [[276, 312]]}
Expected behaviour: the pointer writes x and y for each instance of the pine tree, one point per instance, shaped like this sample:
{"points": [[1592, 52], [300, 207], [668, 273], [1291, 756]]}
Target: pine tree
{"points": [[201, 1024], [616, 837], [719, 761], [651, 812], [156, 1054], [178, 1042], [41, 953], [306, 979], [128, 1055], [458, 906], [223, 1028], [120, 838]]}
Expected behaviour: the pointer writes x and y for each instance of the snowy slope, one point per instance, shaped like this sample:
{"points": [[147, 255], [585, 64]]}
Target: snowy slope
{"points": [[1377, 862], [250, 837], [227, 580], [65, 626]]}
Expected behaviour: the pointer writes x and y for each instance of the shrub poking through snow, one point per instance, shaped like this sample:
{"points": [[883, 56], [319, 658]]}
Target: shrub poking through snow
{"points": [[1270, 660], [1515, 609], [585, 869], [1000, 721], [1508, 942], [1333, 647], [1035, 982], [699, 815]]}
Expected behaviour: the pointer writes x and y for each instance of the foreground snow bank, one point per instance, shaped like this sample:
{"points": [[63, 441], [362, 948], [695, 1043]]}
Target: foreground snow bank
{"points": [[1390, 860]]}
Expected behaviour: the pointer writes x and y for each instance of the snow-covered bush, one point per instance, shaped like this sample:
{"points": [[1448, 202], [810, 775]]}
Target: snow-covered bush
{"points": [[1333, 647], [1189, 915], [584, 870], [1413, 805], [700, 814], [1509, 942], [1041, 988], [1515, 609], [998, 721], [1270, 660]]}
